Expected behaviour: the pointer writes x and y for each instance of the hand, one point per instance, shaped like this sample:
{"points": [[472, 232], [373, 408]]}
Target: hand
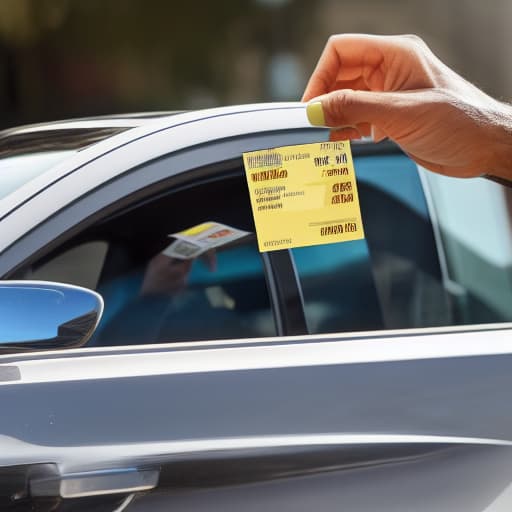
{"points": [[166, 275], [394, 86]]}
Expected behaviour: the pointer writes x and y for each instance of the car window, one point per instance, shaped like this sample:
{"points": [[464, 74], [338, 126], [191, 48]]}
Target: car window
{"points": [[393, 278], [152, 297], [81, 265], [404, 274], [474, 223]]}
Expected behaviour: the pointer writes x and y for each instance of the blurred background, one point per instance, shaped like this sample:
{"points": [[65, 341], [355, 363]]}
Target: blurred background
{"points": [[68, 58]]}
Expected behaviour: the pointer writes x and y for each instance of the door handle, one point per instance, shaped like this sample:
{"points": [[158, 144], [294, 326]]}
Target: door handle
{"points": [[95, 483]]}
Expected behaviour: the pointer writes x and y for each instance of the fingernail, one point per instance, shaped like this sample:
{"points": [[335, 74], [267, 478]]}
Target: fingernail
{"points": [[315, 113]]}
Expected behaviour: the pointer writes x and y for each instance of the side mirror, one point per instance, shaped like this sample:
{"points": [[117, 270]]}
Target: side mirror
{"points": [[39, 315]]}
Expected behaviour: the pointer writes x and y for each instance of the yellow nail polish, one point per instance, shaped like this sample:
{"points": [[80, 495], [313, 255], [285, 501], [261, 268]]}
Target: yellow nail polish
{"points": [[315, 113]]}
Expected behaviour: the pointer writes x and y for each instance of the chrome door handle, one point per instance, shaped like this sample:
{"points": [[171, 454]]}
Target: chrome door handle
{"points": [[95, 483]]}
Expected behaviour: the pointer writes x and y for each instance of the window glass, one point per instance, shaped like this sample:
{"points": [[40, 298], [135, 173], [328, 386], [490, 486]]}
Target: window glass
{"points": [[80, 265], [475, 226], [152, 297], [392, 279]]}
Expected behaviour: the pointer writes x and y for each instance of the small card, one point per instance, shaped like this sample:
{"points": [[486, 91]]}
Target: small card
{"points": [[196, 240], [303, 195]]}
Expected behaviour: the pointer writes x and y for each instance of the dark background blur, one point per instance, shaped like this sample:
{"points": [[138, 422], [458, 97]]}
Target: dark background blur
{"points": [[68, 58]]}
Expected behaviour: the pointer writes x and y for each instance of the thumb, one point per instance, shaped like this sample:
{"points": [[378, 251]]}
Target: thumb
{"points": [[344, 108]]}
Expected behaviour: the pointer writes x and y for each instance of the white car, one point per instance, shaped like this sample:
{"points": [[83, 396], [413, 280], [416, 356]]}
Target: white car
{"points": [[373, 375]]}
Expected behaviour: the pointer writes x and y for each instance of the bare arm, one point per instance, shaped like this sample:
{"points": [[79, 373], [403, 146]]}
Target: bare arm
{"points": [[394, 86]]}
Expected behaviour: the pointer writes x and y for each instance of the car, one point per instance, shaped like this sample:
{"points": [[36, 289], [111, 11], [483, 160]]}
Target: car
{"points": [[365, 375]]}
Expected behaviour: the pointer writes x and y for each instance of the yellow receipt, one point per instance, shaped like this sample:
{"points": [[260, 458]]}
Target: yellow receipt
{"points": [[303, 195]]}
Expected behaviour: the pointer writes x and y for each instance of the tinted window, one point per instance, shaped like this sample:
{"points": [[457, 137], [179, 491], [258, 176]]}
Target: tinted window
{"points": [[392, 279], [151, 297], [80, 265], [475, 229]]}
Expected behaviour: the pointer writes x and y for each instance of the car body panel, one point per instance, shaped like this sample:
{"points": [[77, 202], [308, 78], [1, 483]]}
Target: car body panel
{"points": [[304, 397]]}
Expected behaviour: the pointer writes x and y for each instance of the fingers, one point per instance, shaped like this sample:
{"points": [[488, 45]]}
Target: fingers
{"points": [[379, 114], [326, 71], [346, 133], [377, 134], [394, 86], [369, 62], [210, 259], [352, 108], [344, 59], [351, 132]]}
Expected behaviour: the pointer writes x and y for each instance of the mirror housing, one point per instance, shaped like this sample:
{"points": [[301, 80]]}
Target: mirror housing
{"points": [[41, 315]]}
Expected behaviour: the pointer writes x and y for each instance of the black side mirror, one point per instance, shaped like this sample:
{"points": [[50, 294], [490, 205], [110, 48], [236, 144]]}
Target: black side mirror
{"points": [[39, 315]]}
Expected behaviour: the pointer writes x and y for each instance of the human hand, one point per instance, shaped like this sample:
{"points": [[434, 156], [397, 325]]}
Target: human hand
{"points": [[167, 275], [394, 86]]}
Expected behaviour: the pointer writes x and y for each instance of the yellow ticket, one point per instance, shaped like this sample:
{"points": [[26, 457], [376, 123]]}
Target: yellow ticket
{"points": [[303, 195]]}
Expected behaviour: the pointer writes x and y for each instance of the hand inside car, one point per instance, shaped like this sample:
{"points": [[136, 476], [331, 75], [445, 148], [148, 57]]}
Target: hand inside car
{"points": [[166, 275], [394, 86]]}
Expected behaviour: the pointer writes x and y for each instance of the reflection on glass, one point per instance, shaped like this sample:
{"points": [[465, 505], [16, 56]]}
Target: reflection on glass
{"points": [[46, 312]]}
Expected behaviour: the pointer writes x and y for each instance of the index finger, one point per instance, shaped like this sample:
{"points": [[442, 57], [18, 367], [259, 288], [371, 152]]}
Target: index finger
{"points": [[348, 57], [324, 74]]}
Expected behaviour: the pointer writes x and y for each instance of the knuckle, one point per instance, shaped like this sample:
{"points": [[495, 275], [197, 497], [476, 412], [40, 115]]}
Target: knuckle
{"points": [[442, 95], [333, 41], [413, 38], [414, 41], [337, 104]]}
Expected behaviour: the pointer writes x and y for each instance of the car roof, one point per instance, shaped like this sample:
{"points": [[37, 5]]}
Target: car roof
{"points": [[80, 133], [128, 120], [141, 138], [71, 134]]}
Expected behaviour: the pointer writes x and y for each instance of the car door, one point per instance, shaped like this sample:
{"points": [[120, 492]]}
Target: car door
{"points": [[376, 411]]}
